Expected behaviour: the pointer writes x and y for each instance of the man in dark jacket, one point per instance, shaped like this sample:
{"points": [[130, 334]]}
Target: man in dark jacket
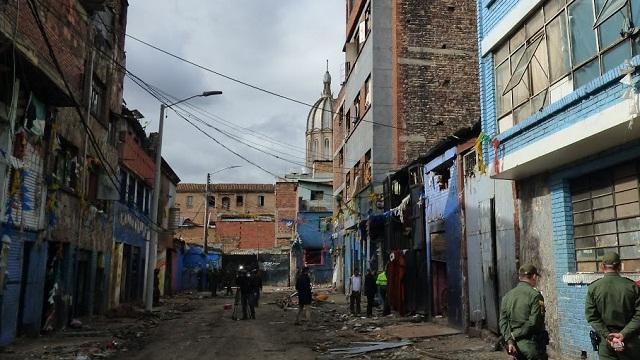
{"points": [[303, 286], [370, 291], [244, 284]]}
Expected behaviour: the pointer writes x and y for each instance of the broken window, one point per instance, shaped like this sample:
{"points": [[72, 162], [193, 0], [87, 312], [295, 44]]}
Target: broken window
{"points": [[189, 202], [226, 203], [66, 165], [583, 38], [260, 200], [609, 9], [525, 57], [559, 40], [317, 195], [239, 201], [97, 98], [313, 257], [558, 45]]}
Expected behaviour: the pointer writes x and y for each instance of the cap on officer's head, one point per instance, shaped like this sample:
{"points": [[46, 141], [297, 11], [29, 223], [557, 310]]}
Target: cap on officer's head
{"points": [[611, 258], [528, 270]]}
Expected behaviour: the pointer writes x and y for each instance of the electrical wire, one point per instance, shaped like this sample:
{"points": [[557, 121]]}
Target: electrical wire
{"points": [[129, 72], [355, 120], [112, 176]]}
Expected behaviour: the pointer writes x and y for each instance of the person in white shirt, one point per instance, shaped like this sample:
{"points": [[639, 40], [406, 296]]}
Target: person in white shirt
{"points": [[355, 288]]}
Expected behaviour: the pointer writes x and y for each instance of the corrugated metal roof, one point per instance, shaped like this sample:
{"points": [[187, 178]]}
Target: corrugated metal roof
{"points": [[199, 188]]}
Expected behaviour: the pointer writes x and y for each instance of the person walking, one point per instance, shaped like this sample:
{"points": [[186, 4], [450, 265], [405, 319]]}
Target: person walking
{"points": [[381, 282], [355, 286], [522, 315], [303, 286], [612, 309], [370, 291]]}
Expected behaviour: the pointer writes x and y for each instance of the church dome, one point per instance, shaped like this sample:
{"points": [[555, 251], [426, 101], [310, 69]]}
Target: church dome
{"points": [[321, 115]]}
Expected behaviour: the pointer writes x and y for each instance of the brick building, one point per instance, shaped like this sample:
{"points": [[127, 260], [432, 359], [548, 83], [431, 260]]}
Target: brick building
{"points": [[227, 202], [559, 104], [410, 81], [59, 174]]}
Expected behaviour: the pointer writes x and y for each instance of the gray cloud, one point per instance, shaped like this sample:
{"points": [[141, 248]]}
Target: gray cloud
{"points": [[279, 45]]}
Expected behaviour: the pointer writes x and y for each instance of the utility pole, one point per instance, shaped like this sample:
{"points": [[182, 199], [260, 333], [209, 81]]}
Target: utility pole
{"points": [[206, 214], [153, 245]]}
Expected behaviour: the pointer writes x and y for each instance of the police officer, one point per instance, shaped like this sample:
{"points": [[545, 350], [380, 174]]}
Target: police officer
{"points": [[613, 310], [522, 318]]}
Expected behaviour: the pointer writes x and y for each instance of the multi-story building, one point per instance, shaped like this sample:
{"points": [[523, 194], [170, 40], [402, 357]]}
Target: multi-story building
{"points": [[60, 96], [559, 99], [410, 81], [241, 219]]}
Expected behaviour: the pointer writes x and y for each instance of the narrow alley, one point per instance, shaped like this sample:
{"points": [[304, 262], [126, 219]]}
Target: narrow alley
{"points": [[196, 326]]}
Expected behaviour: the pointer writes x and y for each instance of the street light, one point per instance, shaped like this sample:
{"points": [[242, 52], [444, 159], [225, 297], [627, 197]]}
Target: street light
{"points": [[153, 246], [206, 205]]}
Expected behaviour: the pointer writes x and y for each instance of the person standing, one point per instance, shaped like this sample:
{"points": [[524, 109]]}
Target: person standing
{"points": [[613, 310], [522, 318], [303, 286], [244, 286], [228, 280], [355, 286], [213, 282], [381, 282], [370, 291], [256, 283]]}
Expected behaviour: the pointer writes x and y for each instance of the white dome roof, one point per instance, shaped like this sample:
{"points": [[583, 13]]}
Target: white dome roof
{"points": [[321, 115]]}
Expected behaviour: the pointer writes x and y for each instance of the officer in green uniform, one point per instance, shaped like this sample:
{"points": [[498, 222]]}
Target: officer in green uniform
{"points": [[613, 310], [522, 318]]}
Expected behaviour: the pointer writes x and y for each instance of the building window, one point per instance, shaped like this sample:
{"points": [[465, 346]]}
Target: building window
{"points": [[239, 200], [348, 185], [347, 122], [561, 48], [315, 149], [606, 217], [140, 197], [260, 200], [212, 201], [189, 202], [66, 165], [367, 167], [313, 257], [327, 151], [317, 195], [226, 203], [367, 93], [97, 98], [356, 108]]}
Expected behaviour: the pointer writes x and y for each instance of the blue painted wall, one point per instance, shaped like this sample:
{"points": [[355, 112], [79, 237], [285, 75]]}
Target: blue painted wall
{"points": [[313, 238], [10, 300], [444, 206]]}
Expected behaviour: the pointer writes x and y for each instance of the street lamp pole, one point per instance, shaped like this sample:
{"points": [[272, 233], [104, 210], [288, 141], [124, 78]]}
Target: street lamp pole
{"points": [[206, 206], [153, 246]]}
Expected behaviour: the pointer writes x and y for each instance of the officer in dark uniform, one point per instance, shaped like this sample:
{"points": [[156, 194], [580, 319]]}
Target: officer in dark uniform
{"points": [[522, 318], [613, 310]]}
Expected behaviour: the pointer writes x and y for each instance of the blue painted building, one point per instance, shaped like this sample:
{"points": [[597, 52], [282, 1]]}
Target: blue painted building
{"points": [[315, 240], [560, 109]]}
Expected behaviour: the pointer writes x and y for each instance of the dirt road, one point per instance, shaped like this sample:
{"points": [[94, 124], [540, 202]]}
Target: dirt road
{"points": [[196, 326]]}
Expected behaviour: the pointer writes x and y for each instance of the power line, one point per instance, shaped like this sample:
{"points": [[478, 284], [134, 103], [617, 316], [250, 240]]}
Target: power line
{"points": [[231, 78], [126, 70], [164, 101], [90, 135], [255, 87], [192, 115]]}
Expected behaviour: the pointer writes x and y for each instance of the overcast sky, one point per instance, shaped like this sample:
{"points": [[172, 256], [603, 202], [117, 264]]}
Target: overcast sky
{"points": [[280, 45]]}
